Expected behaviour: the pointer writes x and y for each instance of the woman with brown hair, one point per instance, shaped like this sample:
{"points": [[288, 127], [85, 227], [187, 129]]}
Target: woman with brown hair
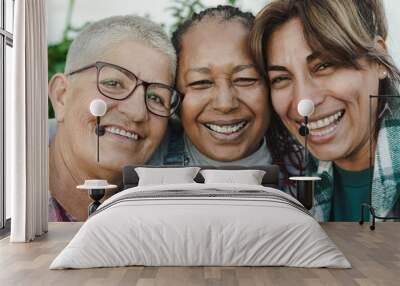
{"points": [[334, 53]]}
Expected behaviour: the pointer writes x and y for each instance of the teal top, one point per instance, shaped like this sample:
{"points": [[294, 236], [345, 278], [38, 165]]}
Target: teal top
{"points": [[350, 191]]}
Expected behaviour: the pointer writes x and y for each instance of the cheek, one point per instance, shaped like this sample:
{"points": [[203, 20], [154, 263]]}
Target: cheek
{"points": [[157, 127], [352, 86], [80, 105], [192, 106], [348, 91], [280, 103], [79, 118], [258, 105]]}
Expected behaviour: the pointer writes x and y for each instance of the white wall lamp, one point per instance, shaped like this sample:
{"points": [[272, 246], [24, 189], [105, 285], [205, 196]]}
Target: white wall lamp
{"points": [[98, 108], [305, 184]]}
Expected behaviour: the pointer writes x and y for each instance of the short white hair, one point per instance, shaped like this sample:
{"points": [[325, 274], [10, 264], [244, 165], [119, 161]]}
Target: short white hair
{"points": [[98, 36]]}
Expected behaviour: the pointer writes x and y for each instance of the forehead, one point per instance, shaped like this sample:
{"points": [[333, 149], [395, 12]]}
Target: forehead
{"points": [[215, 42], [145, 61], [286, 42]]}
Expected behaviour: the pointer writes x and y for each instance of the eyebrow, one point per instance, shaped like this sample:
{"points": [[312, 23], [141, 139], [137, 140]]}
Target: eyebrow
{"points": [[309, 58], [239, 68], [313, 56], [236, 69], [199, 70], [276, 68]]}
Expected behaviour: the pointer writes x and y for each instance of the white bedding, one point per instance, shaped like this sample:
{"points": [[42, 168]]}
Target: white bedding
{"points": [[239, 228]]}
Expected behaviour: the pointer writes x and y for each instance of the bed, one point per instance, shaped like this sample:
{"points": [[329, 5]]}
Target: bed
{"points": [[201, 223]]}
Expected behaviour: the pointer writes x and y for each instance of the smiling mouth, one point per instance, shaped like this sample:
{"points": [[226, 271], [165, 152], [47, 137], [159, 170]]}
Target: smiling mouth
{"points": [[227, 128], [327, 125], [123, 133]]}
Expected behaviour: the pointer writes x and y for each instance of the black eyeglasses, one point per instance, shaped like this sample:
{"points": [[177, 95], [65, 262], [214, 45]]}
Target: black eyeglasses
{"points": [[118, 83]]}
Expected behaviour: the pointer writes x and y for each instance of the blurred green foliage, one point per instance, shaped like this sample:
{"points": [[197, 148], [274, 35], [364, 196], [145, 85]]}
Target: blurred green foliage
{"points": [[183, 9], [56, 61], [57, 53]]}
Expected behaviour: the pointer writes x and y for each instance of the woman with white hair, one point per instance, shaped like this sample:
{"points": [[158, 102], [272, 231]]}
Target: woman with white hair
{"points": [[128, 62]]}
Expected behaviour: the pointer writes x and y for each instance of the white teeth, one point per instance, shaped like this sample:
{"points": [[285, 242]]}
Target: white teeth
{"points": [[122, 132], [227, 129], [324, 132], [325, 121]]}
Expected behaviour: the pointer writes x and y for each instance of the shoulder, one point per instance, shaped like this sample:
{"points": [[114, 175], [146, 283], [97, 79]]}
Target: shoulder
{"points": [[171, 149], [176, 146]]}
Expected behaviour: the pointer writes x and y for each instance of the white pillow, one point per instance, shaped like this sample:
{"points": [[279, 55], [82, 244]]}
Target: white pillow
{"points": [[248, 177], [163, 176]]}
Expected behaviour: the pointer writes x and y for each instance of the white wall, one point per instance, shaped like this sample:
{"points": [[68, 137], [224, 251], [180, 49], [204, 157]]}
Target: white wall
{"points": [[393, 15], [91, 10]]}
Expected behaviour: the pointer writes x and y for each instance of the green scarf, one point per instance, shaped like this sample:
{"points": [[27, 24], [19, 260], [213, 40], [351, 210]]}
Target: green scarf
{"points": [[386, 174]]}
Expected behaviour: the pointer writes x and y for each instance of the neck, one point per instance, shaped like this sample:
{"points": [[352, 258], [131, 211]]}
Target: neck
{"points": [[260, 156], [66, 172], [359, 160]]}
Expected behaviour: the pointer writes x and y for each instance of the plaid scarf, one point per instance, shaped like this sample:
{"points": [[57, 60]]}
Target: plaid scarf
{"points": [[385, 191]]}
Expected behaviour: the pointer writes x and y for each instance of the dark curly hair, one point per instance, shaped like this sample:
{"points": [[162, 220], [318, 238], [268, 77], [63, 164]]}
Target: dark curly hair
{"points": [[223, 12]]}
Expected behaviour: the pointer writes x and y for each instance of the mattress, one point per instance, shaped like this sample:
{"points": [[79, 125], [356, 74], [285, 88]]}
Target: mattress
{"points": [[201, 225]]}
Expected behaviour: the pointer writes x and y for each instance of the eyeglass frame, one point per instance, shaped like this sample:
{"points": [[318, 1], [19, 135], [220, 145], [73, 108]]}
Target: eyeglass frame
{"points": [[99, 65]]}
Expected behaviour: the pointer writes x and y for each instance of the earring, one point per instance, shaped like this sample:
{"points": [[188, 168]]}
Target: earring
{"points": [[383, 75]]}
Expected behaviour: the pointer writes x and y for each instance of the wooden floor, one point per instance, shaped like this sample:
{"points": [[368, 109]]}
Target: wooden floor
{"points": [[374, 255]]}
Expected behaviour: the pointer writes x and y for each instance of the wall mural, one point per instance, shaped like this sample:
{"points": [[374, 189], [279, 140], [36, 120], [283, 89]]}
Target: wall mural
{"points": [[219, 87]]}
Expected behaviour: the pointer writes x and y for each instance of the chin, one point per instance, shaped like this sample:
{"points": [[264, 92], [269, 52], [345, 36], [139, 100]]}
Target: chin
{"points": [[326, 155], [109, 166], [113, 162], [227, 157]]}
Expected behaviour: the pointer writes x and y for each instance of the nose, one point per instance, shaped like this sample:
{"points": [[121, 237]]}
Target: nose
{"points": [[308, 88], [224, 98], [134, 107]]}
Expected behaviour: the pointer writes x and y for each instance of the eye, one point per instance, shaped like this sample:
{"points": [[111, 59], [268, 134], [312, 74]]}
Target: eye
{"points": [[279, 81], [201, 84], [322, 66], [112, 83], [155, 98], [244, 81]]}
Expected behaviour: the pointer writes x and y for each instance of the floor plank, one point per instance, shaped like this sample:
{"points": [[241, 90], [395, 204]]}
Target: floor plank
{"points": [[374, 255]]}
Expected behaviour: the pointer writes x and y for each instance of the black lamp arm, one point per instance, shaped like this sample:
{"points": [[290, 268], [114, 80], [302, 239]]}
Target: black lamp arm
{"points": [[305, 146], [100, 131]]}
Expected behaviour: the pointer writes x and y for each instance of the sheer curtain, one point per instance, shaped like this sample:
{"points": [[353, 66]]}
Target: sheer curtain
{"points": [[26, 124]]}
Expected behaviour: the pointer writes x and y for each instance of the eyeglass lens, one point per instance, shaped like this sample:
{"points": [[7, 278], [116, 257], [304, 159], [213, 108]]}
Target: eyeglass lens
{"points": [[119, 84]]}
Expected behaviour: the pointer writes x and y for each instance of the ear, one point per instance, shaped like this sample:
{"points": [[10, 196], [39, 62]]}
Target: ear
{"points": [[381, 44], [382, 47], [58, 87]]}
